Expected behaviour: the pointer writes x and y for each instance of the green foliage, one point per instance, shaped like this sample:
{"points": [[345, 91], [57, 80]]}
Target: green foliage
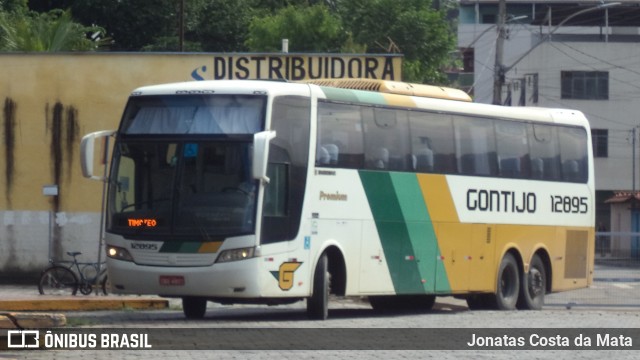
{"points": [[52, 31], [14, 6], [410, 27], [223, 25], [132, 24], [308, 28]]}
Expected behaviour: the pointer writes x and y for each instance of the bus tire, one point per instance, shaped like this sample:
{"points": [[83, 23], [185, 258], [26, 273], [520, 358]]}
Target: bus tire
{"points": [[533, 286], [508, 284], [194, 307], [318, 303]]}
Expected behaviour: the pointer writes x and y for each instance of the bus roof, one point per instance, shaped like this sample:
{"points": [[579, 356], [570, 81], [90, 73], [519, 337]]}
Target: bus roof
{"points": [[376, 92], [395, 87]]}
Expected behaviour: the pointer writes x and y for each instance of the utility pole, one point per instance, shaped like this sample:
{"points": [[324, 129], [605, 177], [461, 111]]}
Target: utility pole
{"points": [[498, 72], [633, 159], [634, 218]]}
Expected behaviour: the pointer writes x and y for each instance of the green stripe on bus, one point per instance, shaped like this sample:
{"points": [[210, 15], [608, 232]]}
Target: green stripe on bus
{"points": [[339, 94], [393, 232], [421, 232], [406, 232]]}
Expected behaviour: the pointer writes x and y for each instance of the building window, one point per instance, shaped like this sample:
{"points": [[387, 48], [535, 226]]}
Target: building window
{"points": [[585, 85], [600, 142]]}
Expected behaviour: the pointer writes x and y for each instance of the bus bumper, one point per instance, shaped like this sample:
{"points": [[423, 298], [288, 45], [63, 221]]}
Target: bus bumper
{"points": [[238, 279]]}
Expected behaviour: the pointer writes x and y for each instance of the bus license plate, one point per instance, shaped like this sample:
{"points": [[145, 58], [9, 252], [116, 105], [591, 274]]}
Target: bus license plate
{"points": [[171, 280]]}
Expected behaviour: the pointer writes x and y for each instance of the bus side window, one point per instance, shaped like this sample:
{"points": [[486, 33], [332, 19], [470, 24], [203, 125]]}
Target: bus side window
{"points": [[432, 144], [386, 135], [475, 146], [544, 151], [573, 154], [340, 140], [512, 149], [275, 196]]}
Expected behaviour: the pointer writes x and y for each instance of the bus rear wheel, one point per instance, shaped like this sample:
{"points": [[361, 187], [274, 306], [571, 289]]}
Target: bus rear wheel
{"points": [[508, 287], [318, 303], [533, 286], [194, 307]]}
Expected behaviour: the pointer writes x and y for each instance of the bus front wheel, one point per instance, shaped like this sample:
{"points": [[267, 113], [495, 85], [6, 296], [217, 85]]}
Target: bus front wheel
{"points": [[508, 287], [318, 303], [194, 307]]}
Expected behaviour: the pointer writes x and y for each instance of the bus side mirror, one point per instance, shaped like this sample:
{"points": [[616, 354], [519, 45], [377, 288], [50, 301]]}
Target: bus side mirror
{"points": [[261, 142], [87, 150]]}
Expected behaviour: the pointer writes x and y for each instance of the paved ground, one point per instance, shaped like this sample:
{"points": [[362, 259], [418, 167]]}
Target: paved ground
{"points": [[612, 302]]}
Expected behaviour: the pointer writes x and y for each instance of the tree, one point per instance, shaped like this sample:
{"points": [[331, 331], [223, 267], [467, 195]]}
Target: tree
{"points": [[132, 24], [414, 28], [14, 6], [223, 25], [52, 31], [410, 27], [308, 28]]}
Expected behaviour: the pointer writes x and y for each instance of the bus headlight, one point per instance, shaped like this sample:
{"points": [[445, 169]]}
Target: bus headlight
{"points": [[119, 253], [236, 254]]}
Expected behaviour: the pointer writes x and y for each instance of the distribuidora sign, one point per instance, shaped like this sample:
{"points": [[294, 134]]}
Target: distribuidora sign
{"points": [[295, 67]]}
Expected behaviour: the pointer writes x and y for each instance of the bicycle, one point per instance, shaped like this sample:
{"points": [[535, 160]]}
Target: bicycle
{"points": [[61, 279]]}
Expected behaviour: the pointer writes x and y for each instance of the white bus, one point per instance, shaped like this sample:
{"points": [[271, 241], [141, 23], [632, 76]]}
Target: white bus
{"points": [[274, 192]]}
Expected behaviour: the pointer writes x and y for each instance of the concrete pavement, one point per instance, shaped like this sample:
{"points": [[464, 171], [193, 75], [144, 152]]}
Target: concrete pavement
{"points": [[21, 306]]}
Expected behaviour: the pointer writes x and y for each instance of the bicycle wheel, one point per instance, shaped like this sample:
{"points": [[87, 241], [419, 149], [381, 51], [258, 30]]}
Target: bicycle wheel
{"points": [[58, 280]]}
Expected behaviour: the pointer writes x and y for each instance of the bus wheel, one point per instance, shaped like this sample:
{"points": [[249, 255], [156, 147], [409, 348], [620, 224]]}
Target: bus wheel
{"points": [[318, 303], [194, 307], [533, 286], [508, 284]]}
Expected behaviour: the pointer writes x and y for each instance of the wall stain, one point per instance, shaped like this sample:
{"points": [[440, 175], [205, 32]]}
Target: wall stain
{"points": [[71, 136], [9, 117], [63, 129]]}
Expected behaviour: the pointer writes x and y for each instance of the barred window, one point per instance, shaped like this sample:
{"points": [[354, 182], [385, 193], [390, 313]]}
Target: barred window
{"points": [[600, 142], [585, 85]]}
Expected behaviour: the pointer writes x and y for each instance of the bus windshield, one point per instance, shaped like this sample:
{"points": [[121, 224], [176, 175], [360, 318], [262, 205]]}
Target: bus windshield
{"points": [[194, 114], [193, 185]]}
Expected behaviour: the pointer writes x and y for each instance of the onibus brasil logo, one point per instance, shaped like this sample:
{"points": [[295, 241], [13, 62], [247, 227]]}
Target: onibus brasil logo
{"points": [[32, 339]]}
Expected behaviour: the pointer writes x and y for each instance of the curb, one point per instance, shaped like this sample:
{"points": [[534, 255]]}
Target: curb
{"points": [[12, 320], [75, 304], [13, 317]]}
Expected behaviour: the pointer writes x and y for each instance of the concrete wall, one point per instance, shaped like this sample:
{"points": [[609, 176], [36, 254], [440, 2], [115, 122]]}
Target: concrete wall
{"points": [[51, 100]]}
